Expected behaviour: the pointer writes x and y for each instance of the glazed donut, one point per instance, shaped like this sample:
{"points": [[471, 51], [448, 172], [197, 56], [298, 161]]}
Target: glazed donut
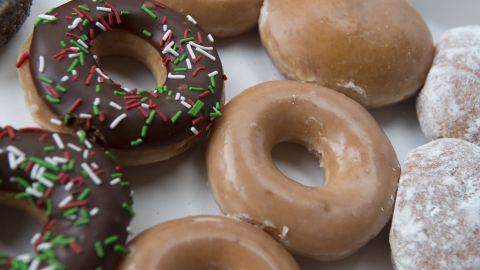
{"points": [[82, 193], [436, 224], [13, 14], [449, 104], [67, 90], [222, 18], [206, 243], [377, 52], [361, 168]]}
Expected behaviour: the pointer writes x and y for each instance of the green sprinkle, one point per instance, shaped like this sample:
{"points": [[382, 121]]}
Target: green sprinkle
{"points": [[187, 39], [49, 149], [119, 93], [80, 47], [150, 118], [180, 69], [182, 58], [109, 154], [66, 119], [170, 93], [84, 194], [212, 82], [110, 240], [45, 80], [129, 209], [49, 207], [45, 164], [50, 176], [22, 195], [84, 8], [211, 89], [61, 88], [147, 33], [96, 110], [47, 235], [120, 249], [22, 182], [71, 165], [82, 58], [196, 89], [124, 12], [144, 131], [196, 108], [85, 23], [149, 12], [82, 135], [176, 117], [52, 99], [70, 212], [136, 142], [63, 44], [59, 240], [73, 65], [84, 37], [99, 249], [116, 175], [98, 88]]}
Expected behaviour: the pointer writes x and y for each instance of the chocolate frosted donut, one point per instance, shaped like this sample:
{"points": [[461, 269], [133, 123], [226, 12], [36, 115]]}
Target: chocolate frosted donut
{"points": [[70, 91], [81, 191], [12, 16]]}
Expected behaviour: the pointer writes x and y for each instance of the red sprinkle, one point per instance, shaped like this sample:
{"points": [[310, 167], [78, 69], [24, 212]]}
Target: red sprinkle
{"points": [[75, 105]]}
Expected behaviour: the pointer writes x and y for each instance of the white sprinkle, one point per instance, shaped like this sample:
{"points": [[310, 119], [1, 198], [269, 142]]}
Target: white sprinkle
{"points": [[85, 116], [73, 55], [74, 49], [200, 46], [34, 192], [81, 42], [96, 102], [166, 35], [186, 105], [65, 201], [94, 211], [99, 25], [85, 154], [44, 246], [69, 186], [190, 51], [47, 17], [191, 19], [94, 165], [50, 160], [60, 159], [100, 72], [74, 72], [15, 150], [42, 179], [165, 27], [172, 76], [194, 131], [35, 238], [104, 9], [55, 121], [145, 106], [74, 147], [115, 181], [14, 160], [177, 96], [75, 23], [95, 57], [206, 54], [215, 73], [115, 105], [117, 120], [210, 37], [182, 98], [88, 144], [189, 63], [91, 174], [24, 257], [58, 141], [34, 264], [65, 78], [41, 64]]}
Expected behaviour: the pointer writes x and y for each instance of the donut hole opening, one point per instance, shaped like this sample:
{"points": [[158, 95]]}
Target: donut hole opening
{"points": [[299, 164], [20, 222], [129, 60]]}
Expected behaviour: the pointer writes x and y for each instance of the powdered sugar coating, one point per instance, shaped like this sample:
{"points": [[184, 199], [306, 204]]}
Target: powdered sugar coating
{"points": [[449, 104], [436, 223]]}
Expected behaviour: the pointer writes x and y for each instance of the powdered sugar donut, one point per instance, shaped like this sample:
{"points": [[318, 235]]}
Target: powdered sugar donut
{"points": [[449, 104], [436, 224]]}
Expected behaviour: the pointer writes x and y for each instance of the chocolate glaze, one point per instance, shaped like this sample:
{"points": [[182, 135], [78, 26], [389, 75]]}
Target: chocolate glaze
{"points": [[162, 131], [112, 200]]}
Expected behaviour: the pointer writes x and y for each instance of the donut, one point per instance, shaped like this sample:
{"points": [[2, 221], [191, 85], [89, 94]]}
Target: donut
{"points": [[82, 195], [377, 52], [449, 104], [361, 169], [13, 14], [222, 18], [67, 90], [206, 242], [436, 224]]}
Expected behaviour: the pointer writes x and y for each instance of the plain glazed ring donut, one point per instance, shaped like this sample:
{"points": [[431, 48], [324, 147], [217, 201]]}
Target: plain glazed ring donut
{"points": [[222, 18], [449, 104], [13, 14], [67, 90], [361, 168], [206, 243], [377, 52], [436, 224], [82, 193]]}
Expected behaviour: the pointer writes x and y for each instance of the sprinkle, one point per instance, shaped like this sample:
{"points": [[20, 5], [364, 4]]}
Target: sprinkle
{"points": [[100, 72], [189, 64], [190, 51], [115, 181], [65, 201], [185, 104], [200, 50], [172, 76], [215, 73], [99, 250], [99, 25], [75, 23], [196, 108], [58, 141], [149, 12], [47, 17], [210, 37], [74, 147], [115, 105], [147, 33], [104, 9], [46, 80], [194, 131], [91, 174], [34, 192], [55, 121], [41, 64], [176, 117], [200, 46], [117, 120], [191, 19], [166, 35], [94, 212]]}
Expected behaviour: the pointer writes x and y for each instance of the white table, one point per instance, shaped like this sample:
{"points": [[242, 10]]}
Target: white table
{"points": [[178, 187]]}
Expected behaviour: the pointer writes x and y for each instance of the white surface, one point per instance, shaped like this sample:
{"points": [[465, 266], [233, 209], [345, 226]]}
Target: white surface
{"points": [[179, 187]]}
